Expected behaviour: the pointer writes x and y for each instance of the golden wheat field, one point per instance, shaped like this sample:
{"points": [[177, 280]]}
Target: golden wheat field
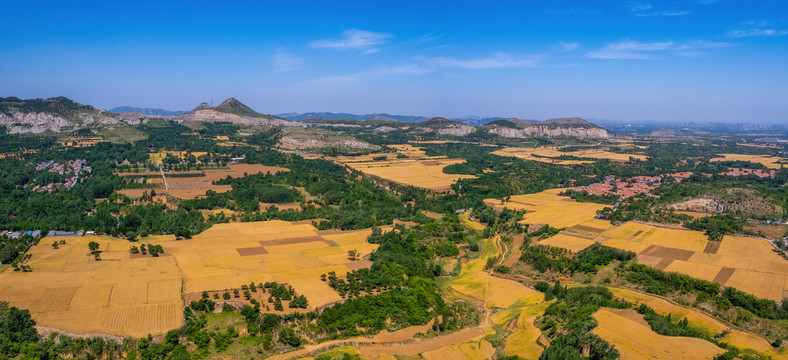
{"points": [[567, 241], [551, 155], [480, 350], [547, 207], [123, 295], [632, 336], [134, 295], [696, 318], [158, 157], [771, 162], [747, 264], [193, 187], [416, 169], [525, 336]]}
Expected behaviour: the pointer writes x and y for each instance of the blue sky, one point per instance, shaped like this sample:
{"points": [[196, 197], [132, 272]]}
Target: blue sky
{"points": [[694, 60]]}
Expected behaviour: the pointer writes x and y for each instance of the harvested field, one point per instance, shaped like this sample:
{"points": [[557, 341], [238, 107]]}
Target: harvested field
{"points": [[634, 340], [751, 342], [750, 264], [588, 229], [474, 350], [723, 276], [417, 169], [712, 247], [566, 241], [432, 215], [769, 161], [192, 187], [70, 290], [551, 155], [427, 174], [669, 253], [696, 318], [136, 295], [547, 207], [421, 347]]}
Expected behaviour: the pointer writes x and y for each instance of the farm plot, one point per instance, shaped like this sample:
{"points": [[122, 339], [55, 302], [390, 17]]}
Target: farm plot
{"points": [[747, 264], [552, 155], [771, 162], [416, 169], [192, 187], [230, 255], [547, 207], [134, 295], [627, 331], [70, 290]]}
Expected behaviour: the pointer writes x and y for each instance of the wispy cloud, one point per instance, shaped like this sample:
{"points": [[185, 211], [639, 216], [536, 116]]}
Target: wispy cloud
{"points": [[629, 50], [381, 71], [354, 39], [498, 61], [756, 28], [635, 50], [283, 62], [639, 8], [564, 47]]}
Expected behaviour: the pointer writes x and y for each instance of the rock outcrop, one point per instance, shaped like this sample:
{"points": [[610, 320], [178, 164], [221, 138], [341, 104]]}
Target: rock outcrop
{"points": [[296, 142], [38, 122], [553, 128], [456, 130]]}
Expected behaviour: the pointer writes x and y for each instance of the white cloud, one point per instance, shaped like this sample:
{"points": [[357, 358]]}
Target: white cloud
{"points": [[646, 9], [283, 62], [756, 28], [381, 71], [564, 47], [499, 61], [354, 39], [629, 49]]}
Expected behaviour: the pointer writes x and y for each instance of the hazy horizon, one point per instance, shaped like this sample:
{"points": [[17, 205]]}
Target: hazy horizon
{"points": [[676, 61]]}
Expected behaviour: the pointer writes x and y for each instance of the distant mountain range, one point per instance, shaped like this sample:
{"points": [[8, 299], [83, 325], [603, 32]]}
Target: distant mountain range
{"points": [[56, 114], [146, 111], [469, 120]]}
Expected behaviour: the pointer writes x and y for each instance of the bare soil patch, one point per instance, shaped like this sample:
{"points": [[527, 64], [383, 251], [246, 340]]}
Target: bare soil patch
{"points": [[252, 251], [769, 231], [723, 276], [712, 247], [666, 252], [588, 229], [634, 235], [662, 264]]}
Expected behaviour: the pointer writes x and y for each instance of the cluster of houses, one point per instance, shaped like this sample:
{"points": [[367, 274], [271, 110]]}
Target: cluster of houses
{"points": [[17, 234], [645, 184], [623, 189], [52, 233], [744, 172], [633, 186], [76, 167]]}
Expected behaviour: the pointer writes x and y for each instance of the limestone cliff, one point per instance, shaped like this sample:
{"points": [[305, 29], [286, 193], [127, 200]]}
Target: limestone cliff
{"points": [[553, 128]]}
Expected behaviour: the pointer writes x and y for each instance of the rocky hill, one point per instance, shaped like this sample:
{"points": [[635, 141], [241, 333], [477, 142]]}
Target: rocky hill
{"points": [[54, 114], [232, 110], [445, 126], [552, 128]]}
